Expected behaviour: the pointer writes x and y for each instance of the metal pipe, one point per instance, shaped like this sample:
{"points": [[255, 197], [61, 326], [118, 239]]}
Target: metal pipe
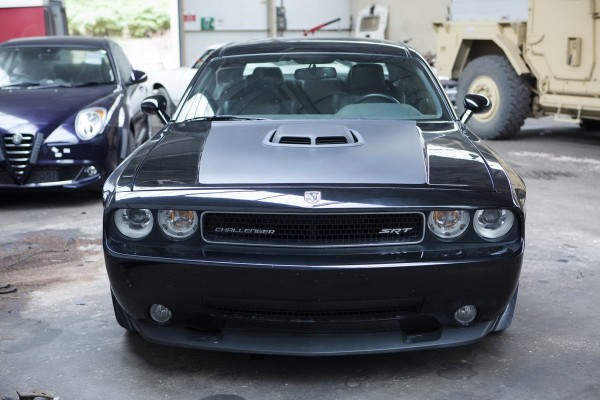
{"points": [[272, 18]]}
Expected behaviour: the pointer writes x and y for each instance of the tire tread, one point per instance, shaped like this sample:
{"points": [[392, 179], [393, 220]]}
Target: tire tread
{"points": [[516, 105]]}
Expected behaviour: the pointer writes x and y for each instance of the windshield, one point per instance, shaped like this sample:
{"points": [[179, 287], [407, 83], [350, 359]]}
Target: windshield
{"points": [[326, 86], [54, 66]]}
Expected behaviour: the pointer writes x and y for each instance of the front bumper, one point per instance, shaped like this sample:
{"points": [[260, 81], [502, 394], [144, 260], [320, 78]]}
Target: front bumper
{"points": [[51, 176], [70, 165], [314, 309]]}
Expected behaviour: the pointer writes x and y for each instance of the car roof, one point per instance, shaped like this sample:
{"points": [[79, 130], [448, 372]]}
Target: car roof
{"points": [[337, 45], [58, 41]]}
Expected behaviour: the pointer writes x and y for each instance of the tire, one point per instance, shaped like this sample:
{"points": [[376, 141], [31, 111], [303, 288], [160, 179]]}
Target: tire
{"points": [[144, 133], [494, 77], [123, 319], [129, 142], [590, 124], [170, 106]]}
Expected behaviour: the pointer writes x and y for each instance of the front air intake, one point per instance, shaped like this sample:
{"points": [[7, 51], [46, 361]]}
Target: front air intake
{"points": [[322, 140], [294, 140], [313, 135]]}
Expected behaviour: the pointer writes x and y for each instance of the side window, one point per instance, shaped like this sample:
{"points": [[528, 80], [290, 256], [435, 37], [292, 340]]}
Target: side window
{"points": [[122, 62]]}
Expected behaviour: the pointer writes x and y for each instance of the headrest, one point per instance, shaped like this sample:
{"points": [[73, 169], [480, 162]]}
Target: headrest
{"points": [[272, 74], [229, 75], [366, 77]]}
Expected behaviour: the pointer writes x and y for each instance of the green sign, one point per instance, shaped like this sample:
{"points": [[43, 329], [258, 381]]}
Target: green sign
{"points": [[207, 23]]}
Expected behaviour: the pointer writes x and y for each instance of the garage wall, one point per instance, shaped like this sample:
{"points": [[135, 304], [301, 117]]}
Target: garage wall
{"points": [[206, 22], [411, 20]]}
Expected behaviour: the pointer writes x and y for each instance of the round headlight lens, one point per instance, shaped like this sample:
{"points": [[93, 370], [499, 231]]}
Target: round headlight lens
{"points": [[135, 223], [493, 224], [90, 122], [448, 224], [178, 224]]}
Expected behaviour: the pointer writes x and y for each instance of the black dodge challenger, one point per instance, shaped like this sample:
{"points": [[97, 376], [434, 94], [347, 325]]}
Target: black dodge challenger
{"points": [[314, 197]]}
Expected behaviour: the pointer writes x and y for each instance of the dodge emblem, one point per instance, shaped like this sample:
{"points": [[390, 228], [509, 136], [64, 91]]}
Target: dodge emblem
{"points": [[17, 139], [312, 197]]}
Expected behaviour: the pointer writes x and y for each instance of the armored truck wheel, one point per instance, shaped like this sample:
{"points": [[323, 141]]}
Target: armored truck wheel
{"points": [[494, 77]]}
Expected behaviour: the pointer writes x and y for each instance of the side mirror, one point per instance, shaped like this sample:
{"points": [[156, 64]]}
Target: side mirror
{"points": [[156, 105], [138, 77], [474, 104]]}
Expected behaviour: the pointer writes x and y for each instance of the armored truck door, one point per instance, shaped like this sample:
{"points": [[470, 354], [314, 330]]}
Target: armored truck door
{"points": [[562, 45]]}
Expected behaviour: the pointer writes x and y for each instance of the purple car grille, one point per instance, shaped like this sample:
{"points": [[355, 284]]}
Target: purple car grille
{"points": [[18, 148], [313, 230]]}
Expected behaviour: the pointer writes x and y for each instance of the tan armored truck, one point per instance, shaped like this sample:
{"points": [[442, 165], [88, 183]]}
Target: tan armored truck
{"points": [[548, 65]]}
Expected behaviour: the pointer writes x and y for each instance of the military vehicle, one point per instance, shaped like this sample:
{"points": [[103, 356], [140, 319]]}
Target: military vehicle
{"points": [[547, 65]]}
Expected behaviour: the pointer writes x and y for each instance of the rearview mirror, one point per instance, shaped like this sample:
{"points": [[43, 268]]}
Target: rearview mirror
{"points": [[315, 73]]}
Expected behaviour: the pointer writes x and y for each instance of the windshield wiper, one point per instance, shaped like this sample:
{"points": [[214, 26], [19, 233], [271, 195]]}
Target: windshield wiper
{"points": [[85, 84], [225, 118], [21, 84], [52, 85]]}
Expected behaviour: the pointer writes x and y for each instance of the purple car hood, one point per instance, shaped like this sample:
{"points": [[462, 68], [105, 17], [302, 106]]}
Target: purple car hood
{"points": [[43, 110]]}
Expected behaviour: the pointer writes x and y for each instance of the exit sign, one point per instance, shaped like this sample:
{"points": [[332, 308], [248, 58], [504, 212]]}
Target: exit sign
{"points": [[207, 23]]}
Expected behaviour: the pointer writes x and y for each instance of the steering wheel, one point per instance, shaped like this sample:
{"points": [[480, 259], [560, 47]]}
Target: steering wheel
{"points": [[390, 99]]}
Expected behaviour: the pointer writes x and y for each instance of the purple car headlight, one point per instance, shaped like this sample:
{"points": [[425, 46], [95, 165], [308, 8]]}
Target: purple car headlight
{"points": [[90, 122]]}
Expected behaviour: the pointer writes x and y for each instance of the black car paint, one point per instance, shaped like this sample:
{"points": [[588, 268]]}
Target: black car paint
{"points": [[457, 170]]}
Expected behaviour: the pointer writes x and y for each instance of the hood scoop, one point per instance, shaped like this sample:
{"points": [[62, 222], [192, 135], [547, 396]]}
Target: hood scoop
{"points": [[313, 135]]}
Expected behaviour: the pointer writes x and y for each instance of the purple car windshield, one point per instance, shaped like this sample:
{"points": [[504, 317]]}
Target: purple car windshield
{"points": [[29, 67]]}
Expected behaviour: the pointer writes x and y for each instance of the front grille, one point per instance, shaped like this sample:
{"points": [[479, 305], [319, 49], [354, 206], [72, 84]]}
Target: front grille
{"points": [[18, 155], [40, 175], [53, 174], [313, 230], [240, 309]]}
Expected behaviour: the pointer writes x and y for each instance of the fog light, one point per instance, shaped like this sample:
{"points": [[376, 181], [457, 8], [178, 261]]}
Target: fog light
{"points": [[466, 314], [160, 313], [91, 171]]}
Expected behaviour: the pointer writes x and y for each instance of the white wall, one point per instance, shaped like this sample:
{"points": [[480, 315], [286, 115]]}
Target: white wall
{"points": [[243, 20]]}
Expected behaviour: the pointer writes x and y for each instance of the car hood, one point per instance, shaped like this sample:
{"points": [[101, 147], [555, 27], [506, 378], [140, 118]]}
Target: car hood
{"points": [[242, 153], [43, 110]]}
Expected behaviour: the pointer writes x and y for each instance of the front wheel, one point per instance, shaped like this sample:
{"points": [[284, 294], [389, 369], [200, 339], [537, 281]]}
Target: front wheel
{"points": [[510, 95]]}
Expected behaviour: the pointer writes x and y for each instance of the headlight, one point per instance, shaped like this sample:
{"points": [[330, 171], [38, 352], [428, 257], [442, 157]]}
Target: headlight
{"points": [[90, 122], [493, 224], [448, 224], [178, 224], [134, 223]]}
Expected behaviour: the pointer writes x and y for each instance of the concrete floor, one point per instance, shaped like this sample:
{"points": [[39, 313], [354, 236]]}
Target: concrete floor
{"points": [[58, 333]]}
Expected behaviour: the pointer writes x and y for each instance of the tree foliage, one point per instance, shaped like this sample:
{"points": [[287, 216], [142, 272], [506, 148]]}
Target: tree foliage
{"points": [[118, 18]]}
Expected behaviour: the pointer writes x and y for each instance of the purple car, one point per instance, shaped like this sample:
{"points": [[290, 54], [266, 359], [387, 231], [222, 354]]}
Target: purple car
{"points": [[69, 112]]}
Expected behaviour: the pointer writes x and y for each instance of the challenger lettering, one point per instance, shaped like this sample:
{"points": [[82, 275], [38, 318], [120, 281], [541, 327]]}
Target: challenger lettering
{"points": [[248, 230]]}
